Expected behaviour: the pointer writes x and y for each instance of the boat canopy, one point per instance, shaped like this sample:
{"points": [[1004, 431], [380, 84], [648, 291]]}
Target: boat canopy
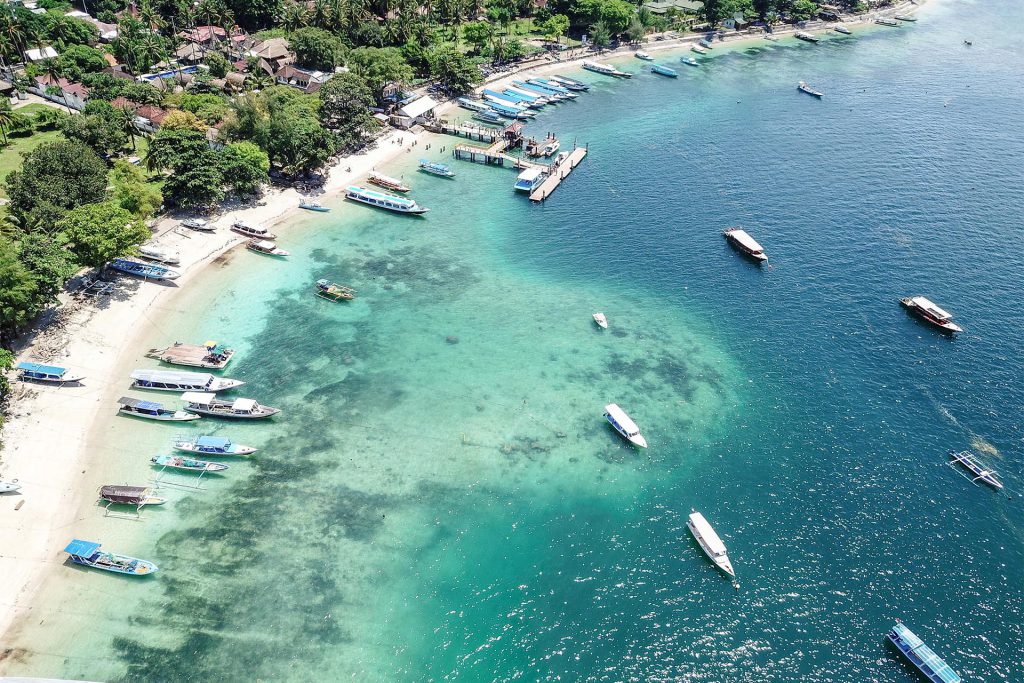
{"points": [[245, 405], [42, 369], [746, 240], [82, 548], [714, 543], [123, 494], [136, 403], [380, 196], [530, 174], [265, 244], [172, 377], [930, 307], [942, 671], [198, 397], [623, 420], [213, 441]]}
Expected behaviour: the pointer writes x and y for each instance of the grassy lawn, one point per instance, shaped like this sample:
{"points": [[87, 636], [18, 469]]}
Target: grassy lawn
{"points": [[10, 154]]}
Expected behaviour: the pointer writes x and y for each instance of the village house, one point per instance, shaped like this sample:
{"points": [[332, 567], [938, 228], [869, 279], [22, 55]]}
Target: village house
{"points": [[60, 90]]}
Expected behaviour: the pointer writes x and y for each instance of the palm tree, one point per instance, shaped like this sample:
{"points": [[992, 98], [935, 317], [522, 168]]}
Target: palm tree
{"points": [[7, 119], [13, 32], [126, 119], [150, 17], [293, 16], [320, 14]]}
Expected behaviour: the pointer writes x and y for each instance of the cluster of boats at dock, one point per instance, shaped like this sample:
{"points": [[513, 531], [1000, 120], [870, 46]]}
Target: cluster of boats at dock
{"points": [[521, 99]]}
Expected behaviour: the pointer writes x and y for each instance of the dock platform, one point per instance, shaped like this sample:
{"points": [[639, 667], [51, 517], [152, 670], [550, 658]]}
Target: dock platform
{"points": [[469, 131], [211, 356], [558, 174]]}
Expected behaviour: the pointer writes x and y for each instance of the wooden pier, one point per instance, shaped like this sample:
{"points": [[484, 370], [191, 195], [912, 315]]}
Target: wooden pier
{"points": [[469, 131], [557, 174]]}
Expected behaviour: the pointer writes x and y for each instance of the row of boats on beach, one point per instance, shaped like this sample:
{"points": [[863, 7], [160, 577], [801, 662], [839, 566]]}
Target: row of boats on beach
{"points": [[520, 100]]}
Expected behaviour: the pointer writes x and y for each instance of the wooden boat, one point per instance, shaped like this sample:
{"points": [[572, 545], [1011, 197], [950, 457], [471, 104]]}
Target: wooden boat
{"points": [[11, 486], [87, 553], [921, 656], [334, 292], [239, 408], [138, 496], [570, 83], [172, 380], [243, 228], [745, 243], [640, 54], [210, 355], [885, 21], [387, 182], [605, 69], [624, 425], [806, 37], [803, 87], [842, 29], [148, 271], [664, 70], [383, 201], [211, 445], [970, 462], [313, 206], [177, 462], [50, 374], [266, 247], [601, 321], [930, 312], [435, 168], [151, 252], [709, 542], [150, 410], [198, 224], [904, 17]]}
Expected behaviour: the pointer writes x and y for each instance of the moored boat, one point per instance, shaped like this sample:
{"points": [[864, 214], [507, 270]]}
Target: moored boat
{"points": [[471, 104], [601, 320], [745, 243], [489, 116], [255, 231], [709, 542], [11, 486], [210, 355], [689, 61], [640, 54], [198, 224], [664, 70], [705, 43], [550, 94], [839, 28], [530, 179], [904, 17], [973, 464], [211, 445], [206, 403], [771, 37], [550, 87], [148, 271], [333, 291], [624, 425], [151, 410], [173, 380], [152, 252], [383, 201], [436, 168], [570, 83], [138, 496], [528, 98], [177, 462], [50, 374], [886, 21], [87, 553], [930, 312], [803, 87], [698, 49], [387, 182], [309, 205], [807, 37], [921, 656], [605, 69], [266, 247]]}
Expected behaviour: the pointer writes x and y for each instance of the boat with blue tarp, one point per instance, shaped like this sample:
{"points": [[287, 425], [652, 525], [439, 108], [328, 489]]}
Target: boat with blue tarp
{"points": [[436, 168], [571, 83], [211, 445], [383, 201], [528, 98], [51, 374], [149, 271], [543, 92], [664, 70], [151, 410], [507, 108], [921, 656], [551, 87], [88, 554]]}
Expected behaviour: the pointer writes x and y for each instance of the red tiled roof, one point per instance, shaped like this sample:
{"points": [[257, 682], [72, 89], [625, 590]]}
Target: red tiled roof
{"points": [[154, 114]]}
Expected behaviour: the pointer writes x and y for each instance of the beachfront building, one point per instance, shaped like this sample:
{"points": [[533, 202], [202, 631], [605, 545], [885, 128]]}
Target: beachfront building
{"points": [[413, 111], [305, 80]]}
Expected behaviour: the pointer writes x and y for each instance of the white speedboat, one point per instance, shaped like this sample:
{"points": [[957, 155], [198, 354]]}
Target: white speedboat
{"points": [[254, 231], [640, 54], [530, 179], [842, 29], [10, 486], [624, 425], [601, 321], [709, 542]]}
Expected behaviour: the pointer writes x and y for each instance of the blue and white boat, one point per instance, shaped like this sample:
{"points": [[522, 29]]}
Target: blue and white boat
{"points": [[436, 168], [525, 98], [174, 380], [489, 116], [310, 205], [921, 656], [149, 271], [51, 374], [543, 92], [552, 87], [689, 61], [151, 410], [211, 445], [471, 104], [530, 179], [87, 554], [570, 83], [970, 462], [508, 108], [383, 201], [664, 70]]}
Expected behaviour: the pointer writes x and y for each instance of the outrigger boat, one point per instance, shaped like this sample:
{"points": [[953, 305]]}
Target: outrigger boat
{"points": [[807, 37], [172, 380], [148, 271], [745, 243], [606, 69], [211, 445], [970, 462], [243, 228], [698, 49], [240, 408], [50, 374], [664, 70], [210, 355], [151, 410], [640, 54], [151, 252], [177, 462], [601, 321], [489, 116], [930, 312], [803, 87], [387, 182], [383, 201], [689, 61], [87, 553], [11, 486], [885, 21], [709, 542], [266, 247], [571, 83], [334, 292], [624, 425], [435, 168], [138, 496], [198, 224], [904, 17], [921, 656], [842, 29], [313, 206]]}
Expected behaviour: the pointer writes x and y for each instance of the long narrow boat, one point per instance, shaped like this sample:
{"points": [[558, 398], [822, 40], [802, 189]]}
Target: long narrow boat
{"points": [[508, 108], [333, 291], [806, 37], [970, 462], [930, 312], [551, 87], [904, 17], [436, 168], [117, 494], [177, 462], [267, 248], [489, 116], [151, 410], [839, 28], [527, 98], [87, 553], [309, 205], [804, 88], [571, 83], [148, 271], [921, 656], [542, 91], [745, 243], [254, 231], [623, 424], [664, 70], [240, 408], [387, 182], [173, 380], [605, 69], [50, 374], [698, 49], [471, 104], [709, 542], [211, 445], [383, 201], [640, 54], [885, 21], [152, 252], [211, 355]]}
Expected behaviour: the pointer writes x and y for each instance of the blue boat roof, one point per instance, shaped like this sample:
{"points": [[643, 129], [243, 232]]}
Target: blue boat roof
{"points": [[37, 367], [942, 671], [148, 405], [82, 548], [215, 441]]}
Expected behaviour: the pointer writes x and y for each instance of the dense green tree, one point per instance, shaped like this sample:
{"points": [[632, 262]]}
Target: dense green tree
{"points": [[253, 15], [298, 143], [49, 118], [556, 26], [53, 178], [17, 292], [452, 69], [98, 233], [478, 34], [315, 48], [599, 34], [344, 109], [129, 189], [50, 263], [617, 15], [217, 63], [635, 32], [244, 167], [77, 60], [99, 125], [381, 67], [194, 178], [207, 107]]}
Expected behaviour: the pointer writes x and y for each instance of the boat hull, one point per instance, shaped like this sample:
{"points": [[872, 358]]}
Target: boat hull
{"points": [[942, 325], [721, 563], [177, 416]]}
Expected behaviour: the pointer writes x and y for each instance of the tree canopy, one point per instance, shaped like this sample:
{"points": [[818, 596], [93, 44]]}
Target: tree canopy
{"points": [[98, 233], [55, 177], [344, 109]]}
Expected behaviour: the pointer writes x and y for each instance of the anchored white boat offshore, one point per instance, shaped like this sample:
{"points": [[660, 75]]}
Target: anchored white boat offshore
{"points": [[624, 425], [709, 542], [173, 380]]}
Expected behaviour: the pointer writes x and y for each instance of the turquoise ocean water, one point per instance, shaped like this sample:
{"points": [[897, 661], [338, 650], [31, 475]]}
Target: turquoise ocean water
{"points": [[441, 500]]}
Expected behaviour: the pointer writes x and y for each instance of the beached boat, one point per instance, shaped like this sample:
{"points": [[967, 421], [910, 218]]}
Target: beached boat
{"points": [[803, 87], [436, 168], [387, 182], [266, 247], [745, 243], [625, 426], [151, 410], [211, 445], [886, 21], [550, 94], [87, 553], [904, 17], [50, 374], [530, 179], [550, 87], [709, 542], [842, 29], [706, 44], [198, 224], [807, 37], [771, 37], [489, 116], [333, 291], [471, 104], [383, 201], [921, 656], [177, 462], [206, 403], [970, 462], [151, 252], [698, 49], [640, 54], [148, 271], [173, 380], [930, 312], [601, 320], [664, 70], [243, 228], [313, 206], [10, 486], [138, 496], [571, 83], [211, 355], [605, 69], [689, 61]]}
